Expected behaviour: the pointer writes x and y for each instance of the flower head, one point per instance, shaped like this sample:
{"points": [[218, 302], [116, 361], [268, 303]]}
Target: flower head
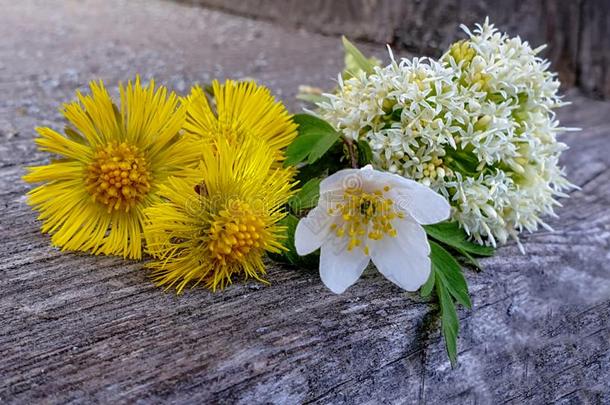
{"points": [[220, 219], [240, 110], [364, 215], [108, 167], [478, 126]]}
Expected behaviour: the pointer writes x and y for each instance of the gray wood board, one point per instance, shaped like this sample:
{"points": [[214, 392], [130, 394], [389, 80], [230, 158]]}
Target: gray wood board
{"points": [[577, 32], [81, 329]]}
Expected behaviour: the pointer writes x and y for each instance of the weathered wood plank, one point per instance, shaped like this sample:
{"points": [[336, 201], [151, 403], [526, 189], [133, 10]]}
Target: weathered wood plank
{"points": [[577, 32], [76, 328]]}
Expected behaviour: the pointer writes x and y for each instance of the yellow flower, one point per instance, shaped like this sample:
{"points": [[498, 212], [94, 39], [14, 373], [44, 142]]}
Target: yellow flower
{"points": [[108, 167], [220, 219], [241, 110]]}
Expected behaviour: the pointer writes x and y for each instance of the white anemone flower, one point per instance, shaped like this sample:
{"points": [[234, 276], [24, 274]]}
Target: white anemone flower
{"points": [[366, 214]]}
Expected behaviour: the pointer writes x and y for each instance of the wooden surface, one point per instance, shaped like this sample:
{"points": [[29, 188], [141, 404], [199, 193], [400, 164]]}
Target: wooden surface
{"points": [[82, 329], [577, 32]]}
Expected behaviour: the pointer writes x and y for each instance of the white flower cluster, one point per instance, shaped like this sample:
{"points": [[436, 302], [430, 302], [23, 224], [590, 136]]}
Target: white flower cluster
{"points": [[477, 126]]}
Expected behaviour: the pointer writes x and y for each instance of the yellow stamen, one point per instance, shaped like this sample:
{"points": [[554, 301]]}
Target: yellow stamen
{"points": [[366, 215], [118, 177], [235, 233]]}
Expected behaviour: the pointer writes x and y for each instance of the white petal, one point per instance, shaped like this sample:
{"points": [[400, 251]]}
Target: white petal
{"points": [[340, 268], [312, 231], [341, 180], [422, 203], [404, 260]]}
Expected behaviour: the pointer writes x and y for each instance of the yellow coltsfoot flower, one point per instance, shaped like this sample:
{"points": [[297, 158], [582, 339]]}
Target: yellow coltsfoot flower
{"points": [[240, 110], [109, 165], [219, 220]]}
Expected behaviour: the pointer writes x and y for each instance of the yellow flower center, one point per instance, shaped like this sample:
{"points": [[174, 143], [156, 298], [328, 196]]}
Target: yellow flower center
{"points": [[462, 51], [118, 176], [235, 232], [366, 216], [435, 168]]}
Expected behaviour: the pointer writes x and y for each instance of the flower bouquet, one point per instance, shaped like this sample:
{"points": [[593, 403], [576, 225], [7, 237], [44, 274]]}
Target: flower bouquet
{"points": [[419, 167]]}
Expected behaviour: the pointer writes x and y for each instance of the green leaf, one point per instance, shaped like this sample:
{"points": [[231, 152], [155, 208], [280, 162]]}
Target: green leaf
{"points": [[315, 138], [307, 197], [469, 259], [290, 222], [450, 285], [448, 272], [291, 256], [365, 154], [452, 235], [426, 289], [463, 161], [396, 114], [450, 324], [311, 123], [334, 160], [355, 61]]}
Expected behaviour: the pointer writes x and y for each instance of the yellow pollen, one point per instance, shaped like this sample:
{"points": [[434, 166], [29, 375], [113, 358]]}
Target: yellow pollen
{"points": [[235, 233], [366, 215], [462, 51], [118, 177]]}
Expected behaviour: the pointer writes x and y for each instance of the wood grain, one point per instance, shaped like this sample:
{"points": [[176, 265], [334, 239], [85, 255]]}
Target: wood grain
{"points": [[82, 329], [577, 32]]}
